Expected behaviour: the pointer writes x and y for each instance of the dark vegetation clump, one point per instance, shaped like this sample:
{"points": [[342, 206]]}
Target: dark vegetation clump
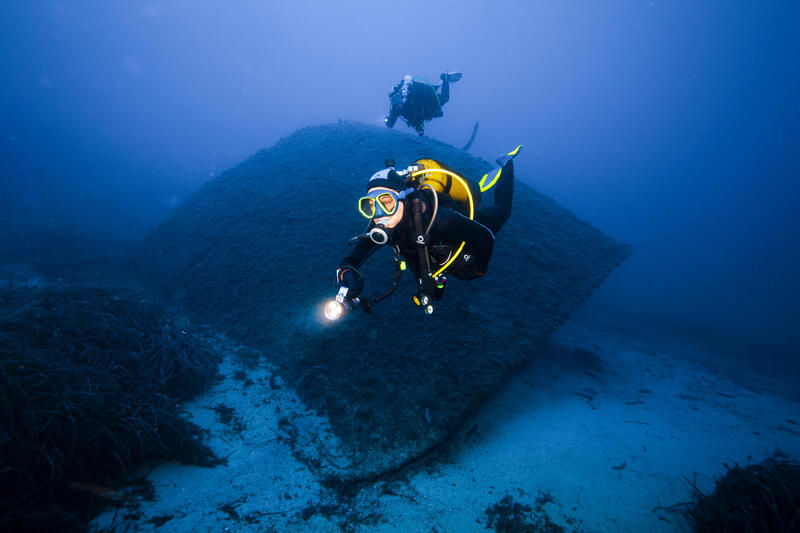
{"points": [[90, 381], [227, 415], [509, 516], [763, 497]]}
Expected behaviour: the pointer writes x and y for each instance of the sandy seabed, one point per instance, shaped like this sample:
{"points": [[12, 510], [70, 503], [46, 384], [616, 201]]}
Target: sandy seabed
{"points": [[605, 430]]}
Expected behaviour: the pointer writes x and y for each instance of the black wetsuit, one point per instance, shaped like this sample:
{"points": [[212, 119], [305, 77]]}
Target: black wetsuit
{"points": [[420, 103], [448, 231]]}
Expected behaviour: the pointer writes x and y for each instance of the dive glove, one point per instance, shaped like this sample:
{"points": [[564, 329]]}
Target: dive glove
{"points": [[351, 280]]}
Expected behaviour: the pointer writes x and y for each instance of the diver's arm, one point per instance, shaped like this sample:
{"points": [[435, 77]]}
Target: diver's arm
{"points": [[455, 227], [360, 253], [392, 118], [348, 278], [395, 105]]}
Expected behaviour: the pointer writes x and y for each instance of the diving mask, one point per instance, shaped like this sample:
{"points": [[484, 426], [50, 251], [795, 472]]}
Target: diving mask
{"points": [[379, 203]]}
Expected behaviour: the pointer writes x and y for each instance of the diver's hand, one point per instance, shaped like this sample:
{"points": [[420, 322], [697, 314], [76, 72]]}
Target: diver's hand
{"points": [[350, 282]]}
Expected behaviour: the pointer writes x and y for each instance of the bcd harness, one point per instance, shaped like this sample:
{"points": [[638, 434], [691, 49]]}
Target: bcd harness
{"points": [[438, 177], [426, 280]]}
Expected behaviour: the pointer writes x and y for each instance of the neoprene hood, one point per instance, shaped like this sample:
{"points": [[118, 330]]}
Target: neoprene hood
{"points": [[388, 178]]}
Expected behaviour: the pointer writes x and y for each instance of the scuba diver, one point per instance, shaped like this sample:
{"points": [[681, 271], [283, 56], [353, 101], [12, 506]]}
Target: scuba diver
{"points": [[416, 100], [430, 216]]}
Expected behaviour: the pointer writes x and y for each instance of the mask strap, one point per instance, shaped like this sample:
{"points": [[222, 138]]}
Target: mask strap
{"points": [[405, 193]]}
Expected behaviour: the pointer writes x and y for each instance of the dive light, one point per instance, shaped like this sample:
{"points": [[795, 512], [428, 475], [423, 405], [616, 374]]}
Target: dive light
{"points": [[336, 309]]}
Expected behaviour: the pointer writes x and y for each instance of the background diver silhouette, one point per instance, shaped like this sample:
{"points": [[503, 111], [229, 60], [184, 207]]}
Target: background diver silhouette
{"points": [[416, 100], [448, 230]]}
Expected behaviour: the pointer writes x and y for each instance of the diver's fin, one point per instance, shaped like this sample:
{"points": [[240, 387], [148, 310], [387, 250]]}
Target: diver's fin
{"points": [[452, 75], [503, 159], [488, 180]]}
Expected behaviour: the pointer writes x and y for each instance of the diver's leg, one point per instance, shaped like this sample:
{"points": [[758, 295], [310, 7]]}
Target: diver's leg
{"points": [[495, 215], [444, 91]]}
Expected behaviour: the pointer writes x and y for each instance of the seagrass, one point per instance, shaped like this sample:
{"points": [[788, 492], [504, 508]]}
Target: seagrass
{"points": [[90, 384], [758, 498]]}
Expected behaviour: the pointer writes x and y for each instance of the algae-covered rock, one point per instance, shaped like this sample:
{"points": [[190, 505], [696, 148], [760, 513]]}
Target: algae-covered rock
{"points": [[255, 251]]}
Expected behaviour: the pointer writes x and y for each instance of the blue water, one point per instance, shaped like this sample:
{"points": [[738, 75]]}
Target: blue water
{"points": [[671, 126]]}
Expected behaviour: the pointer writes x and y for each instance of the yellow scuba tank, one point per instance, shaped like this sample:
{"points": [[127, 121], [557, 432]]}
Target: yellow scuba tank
{"points": [[464, 192]]}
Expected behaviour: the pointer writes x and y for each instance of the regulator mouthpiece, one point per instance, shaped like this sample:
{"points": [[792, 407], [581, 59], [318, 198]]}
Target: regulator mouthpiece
{"points": [[379, 235]]}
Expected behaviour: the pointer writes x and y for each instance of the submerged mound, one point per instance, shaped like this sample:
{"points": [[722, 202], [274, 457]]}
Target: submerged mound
{"points": [[255, 251]]}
